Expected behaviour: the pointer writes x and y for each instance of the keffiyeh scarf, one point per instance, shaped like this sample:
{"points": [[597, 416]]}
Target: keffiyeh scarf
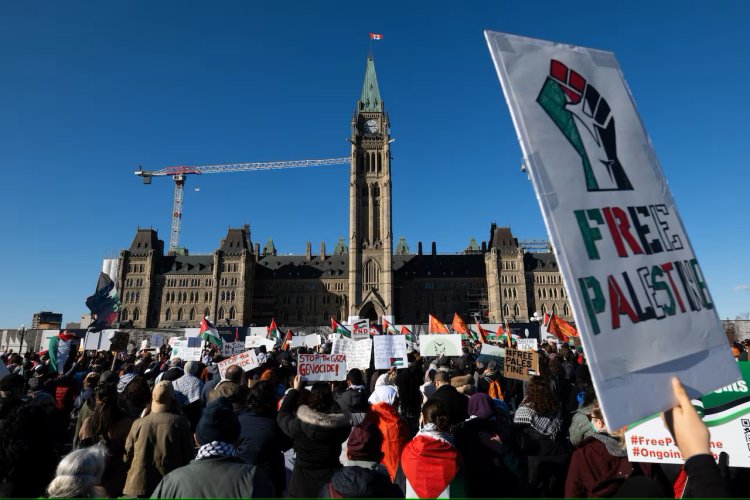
{"points": [[544, 425], [216, 449]]}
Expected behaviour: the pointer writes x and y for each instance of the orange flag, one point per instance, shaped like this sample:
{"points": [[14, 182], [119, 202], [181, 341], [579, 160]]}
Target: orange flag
{"points": [[561, 328], [436, 326], [287, 340], [459, 326]]}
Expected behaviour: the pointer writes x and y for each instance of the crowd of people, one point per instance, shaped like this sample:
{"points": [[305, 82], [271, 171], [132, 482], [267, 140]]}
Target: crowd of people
{"points": [[145, 425]]}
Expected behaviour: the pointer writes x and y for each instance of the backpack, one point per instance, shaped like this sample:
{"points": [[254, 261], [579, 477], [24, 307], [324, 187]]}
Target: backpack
{"points": [[494, 390]]}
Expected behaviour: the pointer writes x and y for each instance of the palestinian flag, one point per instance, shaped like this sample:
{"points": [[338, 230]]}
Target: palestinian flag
{"points": [[273, 331], [436, 326], [410, 337], [341, 330], [561, 328], [397, 363], [482, 333], [104, 304], [388, 328], [429, 466], [287, 340], [59, 350], [209, 333]]}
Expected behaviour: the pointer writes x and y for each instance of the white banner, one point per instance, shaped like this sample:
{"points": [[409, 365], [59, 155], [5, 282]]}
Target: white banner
{"points": [[182, 350], [492, 350], [232, 348], [312, 340], [321, 367], [257, 341], [245, 360], [527, 344], [628, 267], [390, 352], [440, 345], [358, 352]]}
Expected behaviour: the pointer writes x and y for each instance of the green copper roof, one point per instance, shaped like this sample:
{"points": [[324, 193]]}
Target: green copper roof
{"points": [[370, 100]]}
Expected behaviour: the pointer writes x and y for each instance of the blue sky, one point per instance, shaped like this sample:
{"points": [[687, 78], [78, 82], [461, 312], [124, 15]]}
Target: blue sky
{"points": [[90, 90]]}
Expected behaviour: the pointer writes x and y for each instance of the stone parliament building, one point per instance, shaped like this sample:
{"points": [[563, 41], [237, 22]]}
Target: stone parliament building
{"points": [[240, 284]]}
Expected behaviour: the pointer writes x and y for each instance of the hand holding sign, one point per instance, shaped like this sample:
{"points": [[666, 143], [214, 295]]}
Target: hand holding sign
{"points": [[685, 425]]}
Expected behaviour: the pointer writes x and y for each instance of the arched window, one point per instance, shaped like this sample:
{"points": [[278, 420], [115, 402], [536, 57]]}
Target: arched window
{"points": [[221, 313], [136, 314], [124, 315], [515, 294], [137, 296], [179, 314], [207, 313], [192, 314], [566, 310], [232, 298], [205, 297], [506, 310], [232, 312], [371, 275], [516, 310], [168, 315], [223, 296], [554, 309], [544, 308], [554, 291], [505, 293], [544, 293]]}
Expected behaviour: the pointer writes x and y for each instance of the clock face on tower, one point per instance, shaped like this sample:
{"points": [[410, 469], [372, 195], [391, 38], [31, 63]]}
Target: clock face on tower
{"points": [[371, 126]]}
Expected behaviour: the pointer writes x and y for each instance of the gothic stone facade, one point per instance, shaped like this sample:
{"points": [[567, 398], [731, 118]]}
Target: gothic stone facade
{"points": [[239, 285]]}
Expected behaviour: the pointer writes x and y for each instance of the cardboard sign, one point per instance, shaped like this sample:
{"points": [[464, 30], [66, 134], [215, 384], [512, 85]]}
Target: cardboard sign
{"points": [[621, 247], [725, 412], [390, 352], [321, 367], [305, 340], [245, 360], [520, 365], [358, 352], [232, 348], [440, 345], [257, 341], [118, 341], [527, 344]]}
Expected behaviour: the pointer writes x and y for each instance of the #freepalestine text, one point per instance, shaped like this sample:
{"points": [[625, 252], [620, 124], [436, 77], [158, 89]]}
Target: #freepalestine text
{"points": [[659, 290]]}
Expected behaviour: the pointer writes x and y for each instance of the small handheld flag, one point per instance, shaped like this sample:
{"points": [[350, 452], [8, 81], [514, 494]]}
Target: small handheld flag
{"points": [[376, 36]]}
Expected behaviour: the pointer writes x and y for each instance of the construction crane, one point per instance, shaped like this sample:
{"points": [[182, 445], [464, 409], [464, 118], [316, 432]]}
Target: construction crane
{"points": [[180, 173]]}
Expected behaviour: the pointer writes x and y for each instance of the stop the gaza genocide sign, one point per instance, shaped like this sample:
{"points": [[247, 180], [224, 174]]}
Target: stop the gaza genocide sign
{"points": [[639, 296]]}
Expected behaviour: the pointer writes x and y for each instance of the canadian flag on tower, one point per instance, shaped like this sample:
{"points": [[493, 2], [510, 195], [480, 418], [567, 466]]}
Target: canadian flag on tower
{"points": [[376, 36]]}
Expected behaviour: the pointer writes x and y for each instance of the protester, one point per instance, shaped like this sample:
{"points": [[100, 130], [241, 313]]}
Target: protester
{"points": [[187, 390], [354, 399], [318, 429], [393, 428], [362, 476], [157, 444], [79, 475], [456, 403], [429, 466], [216, 471]]}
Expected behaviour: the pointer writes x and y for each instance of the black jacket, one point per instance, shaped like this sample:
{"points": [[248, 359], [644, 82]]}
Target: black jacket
{"points": [[360, 482], [262, 444], [317, 442], [355, 402], [457, 403]]}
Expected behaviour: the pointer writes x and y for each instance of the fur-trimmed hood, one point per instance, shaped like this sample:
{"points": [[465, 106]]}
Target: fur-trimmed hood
{"points": [[308, 416]]}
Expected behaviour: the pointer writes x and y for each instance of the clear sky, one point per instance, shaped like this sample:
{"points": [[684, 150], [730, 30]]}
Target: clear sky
{"points": [[90, 90]]}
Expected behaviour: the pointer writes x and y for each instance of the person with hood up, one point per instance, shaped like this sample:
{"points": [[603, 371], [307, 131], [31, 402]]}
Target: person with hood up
{"points": [[393, 428], [216, 472], [157, 444], [362, 476], [187, 390], [354, 398], [429, 465], [318, 429]]}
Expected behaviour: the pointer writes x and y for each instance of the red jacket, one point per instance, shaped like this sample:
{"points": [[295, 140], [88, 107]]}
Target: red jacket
{"points": [[595, 472]]}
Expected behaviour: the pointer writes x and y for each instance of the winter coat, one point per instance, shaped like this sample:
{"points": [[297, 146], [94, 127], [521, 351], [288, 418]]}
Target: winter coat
{"points": [[157, 444], [457, 403], [210, 385], [360, 480], [355, 402], [580, 426], [115, 470], [317, 440], [216, 477], [263, 444], [600, 466]]}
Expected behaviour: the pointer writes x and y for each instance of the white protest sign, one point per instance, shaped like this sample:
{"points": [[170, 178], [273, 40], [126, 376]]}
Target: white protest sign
{"points": [[92, 340], [257, 341], [390, 352], [725, 412], [361, 329], [492, 350], [182, 350], [144, 344], [358, 352], [621, 247], [321, 367], [305, 340], [527, 344], [440, 345], [245, 360], [231, 348]]}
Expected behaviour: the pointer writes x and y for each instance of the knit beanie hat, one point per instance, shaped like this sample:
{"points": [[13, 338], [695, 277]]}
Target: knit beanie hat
{"points": [[218, 423], [365, 442], [482, 406]]}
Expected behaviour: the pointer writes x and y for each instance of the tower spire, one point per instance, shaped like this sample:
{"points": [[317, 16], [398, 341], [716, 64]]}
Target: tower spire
{"points": [[370, 99]]}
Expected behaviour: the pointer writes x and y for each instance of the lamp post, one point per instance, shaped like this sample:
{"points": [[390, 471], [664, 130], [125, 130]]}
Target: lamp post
{"points": [[23, 334]]}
